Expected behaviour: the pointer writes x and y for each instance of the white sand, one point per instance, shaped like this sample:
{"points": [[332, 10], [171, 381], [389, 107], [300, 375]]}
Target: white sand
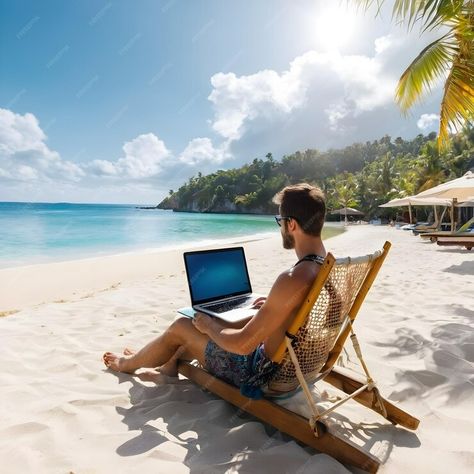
{"points": [[60, 411]]}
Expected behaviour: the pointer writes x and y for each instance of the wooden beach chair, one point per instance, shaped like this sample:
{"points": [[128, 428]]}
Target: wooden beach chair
{"points": [[313, 344], [433, 227], [463, 240], [461, 232]]}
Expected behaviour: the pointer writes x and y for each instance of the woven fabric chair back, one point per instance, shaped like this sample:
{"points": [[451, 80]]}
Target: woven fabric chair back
{"points": [[326, 317]]}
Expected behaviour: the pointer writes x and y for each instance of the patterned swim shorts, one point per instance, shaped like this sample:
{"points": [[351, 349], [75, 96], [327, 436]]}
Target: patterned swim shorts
{"points": [[248, 372]]}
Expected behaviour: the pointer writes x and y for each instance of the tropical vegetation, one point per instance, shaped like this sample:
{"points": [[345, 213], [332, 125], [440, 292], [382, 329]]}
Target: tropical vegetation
{"points": [[362, 175]]}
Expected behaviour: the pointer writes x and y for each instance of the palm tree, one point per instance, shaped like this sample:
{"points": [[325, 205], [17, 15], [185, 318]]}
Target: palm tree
{"points": [[344, 191], [432, 171], [452, 53]]}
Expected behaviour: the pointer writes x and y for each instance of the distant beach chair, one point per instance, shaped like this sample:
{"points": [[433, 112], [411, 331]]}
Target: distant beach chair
{"points": [[435, 226], [309, 353], [462, 231], [464, 240]]}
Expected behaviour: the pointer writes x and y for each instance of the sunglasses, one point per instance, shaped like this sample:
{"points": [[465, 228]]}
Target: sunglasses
{"points": [[282, 218]]}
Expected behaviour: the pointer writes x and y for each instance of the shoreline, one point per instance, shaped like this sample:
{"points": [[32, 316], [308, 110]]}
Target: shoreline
{"points": [[66, 280], [69, 280], [205, 242], [138, 251]]}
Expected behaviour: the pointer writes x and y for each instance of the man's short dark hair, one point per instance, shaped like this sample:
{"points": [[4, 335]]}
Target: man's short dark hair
{"points": [[306, 204]]}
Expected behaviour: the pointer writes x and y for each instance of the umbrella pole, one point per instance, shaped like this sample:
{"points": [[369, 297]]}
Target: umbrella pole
{"points": [[453, 204], [409, 210]]}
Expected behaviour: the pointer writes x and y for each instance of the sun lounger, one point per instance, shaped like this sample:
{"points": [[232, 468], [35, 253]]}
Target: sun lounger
{"points": [[309, 353], [464, 240], [433, 236], [435, 226]]}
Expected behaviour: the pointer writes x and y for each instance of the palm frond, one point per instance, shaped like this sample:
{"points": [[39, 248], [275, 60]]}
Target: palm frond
{"points": [[438, 12], [430, 64], [431, 13], [408, 10], [457, 105]]}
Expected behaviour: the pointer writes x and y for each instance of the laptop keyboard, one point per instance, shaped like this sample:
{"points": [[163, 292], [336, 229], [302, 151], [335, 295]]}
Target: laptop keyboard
{"points": [[228, 305]]}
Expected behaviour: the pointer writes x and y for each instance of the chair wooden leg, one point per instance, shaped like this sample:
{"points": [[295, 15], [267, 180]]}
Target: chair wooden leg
{"points": [[343, 381], [284, 420]]}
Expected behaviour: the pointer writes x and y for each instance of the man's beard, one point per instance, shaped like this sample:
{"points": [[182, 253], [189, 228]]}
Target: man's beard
{"points": [[288, 240]]}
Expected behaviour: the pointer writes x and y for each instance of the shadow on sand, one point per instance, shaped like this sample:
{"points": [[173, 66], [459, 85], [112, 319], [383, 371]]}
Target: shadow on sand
{"points": [[206, 426], [465, 268]]}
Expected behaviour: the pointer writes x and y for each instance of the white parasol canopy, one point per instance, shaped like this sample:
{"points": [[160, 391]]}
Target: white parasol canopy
{"points": [[416, 201], [348, 211], [461, 189], [458, 190]]}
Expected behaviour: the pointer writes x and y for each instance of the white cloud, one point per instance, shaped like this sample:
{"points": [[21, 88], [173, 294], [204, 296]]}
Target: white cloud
{"points": [[24, 154], [19, 133], [201, 150], [143, 158], [335, 113], [428, 122], [270, 95], [238, 99], [102, 168], [27, 173], [387, 42]]}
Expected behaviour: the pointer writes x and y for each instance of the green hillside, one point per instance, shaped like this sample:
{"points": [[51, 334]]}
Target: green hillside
{"points": [[361, 175]]}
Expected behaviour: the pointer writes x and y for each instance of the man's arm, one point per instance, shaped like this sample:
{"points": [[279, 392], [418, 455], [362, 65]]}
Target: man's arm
{"points": [[284, 299]]}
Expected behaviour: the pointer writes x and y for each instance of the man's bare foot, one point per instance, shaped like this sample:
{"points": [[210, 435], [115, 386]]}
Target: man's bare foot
{"points": [[115, 362]]}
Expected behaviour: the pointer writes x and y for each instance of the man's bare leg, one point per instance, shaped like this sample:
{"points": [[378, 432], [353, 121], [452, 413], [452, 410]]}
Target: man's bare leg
{"points": [[181, 335], [170, 369]]}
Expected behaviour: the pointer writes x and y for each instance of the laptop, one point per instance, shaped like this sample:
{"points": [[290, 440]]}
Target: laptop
{"points": [[219, 284]]}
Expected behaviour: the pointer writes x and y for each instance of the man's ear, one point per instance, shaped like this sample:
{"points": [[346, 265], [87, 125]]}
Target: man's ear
{"points": [[292, 225]]}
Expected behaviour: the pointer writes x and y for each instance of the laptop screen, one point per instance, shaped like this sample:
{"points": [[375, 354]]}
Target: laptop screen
{"points": [[215, 274]]}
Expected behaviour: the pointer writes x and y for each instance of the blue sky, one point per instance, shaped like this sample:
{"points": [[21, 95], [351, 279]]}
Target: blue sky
{"points": [[119, 101]]}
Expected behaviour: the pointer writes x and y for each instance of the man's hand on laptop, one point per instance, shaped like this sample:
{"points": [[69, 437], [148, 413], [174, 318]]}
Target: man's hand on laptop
{"points": [[202, 322], [258, 303]]}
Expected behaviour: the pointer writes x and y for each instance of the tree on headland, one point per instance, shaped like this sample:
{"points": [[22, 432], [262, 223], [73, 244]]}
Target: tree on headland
{"points": [[450, 57]]}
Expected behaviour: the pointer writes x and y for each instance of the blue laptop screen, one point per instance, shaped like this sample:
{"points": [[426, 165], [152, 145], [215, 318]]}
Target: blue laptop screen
{"points": [[216, 274]]}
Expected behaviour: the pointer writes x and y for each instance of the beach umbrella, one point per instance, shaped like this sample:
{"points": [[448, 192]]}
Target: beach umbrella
{"points": [[347, 211], [401, 202], [461, 189], [416, 201], [458, 190]]}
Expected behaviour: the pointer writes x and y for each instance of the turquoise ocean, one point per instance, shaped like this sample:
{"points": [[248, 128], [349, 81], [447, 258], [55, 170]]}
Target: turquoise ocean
{"points": [[42, 232]]}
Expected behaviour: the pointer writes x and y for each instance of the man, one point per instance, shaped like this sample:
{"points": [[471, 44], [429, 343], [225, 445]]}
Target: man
{"points": [[241, 353]]}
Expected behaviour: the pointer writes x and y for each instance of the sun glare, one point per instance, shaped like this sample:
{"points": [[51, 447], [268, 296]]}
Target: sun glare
{"points": [[334, 27]]}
